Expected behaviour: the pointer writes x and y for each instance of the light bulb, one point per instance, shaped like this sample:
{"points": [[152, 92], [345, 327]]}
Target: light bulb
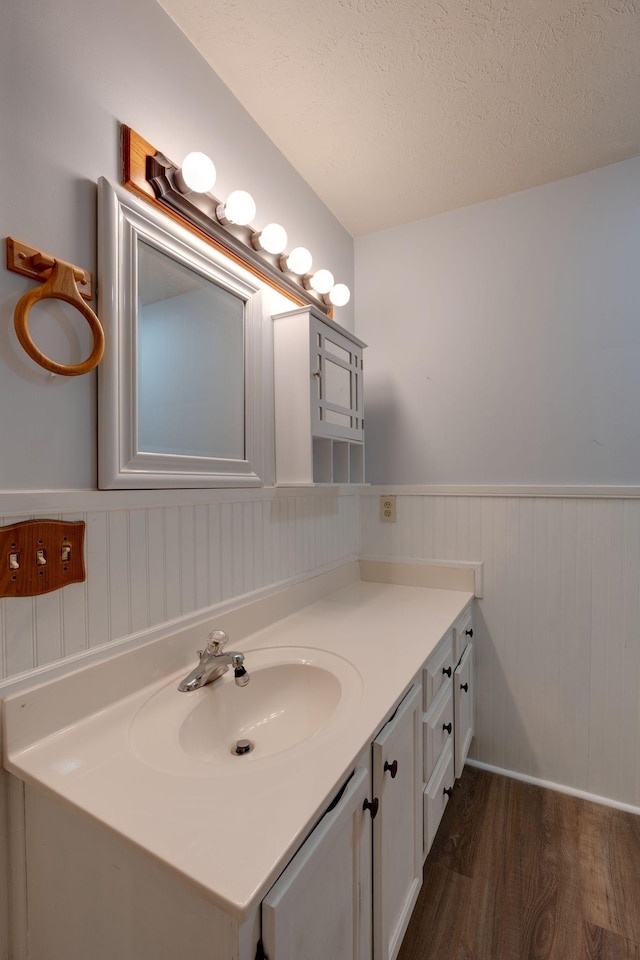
{"points": [[240, 208], [321, 281], [340, 295], [197, 173], [299, 261], [273, 238]]}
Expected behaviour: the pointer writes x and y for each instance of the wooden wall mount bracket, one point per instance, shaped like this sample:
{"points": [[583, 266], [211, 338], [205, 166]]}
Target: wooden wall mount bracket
{"points": [[60, 281], [38, 556], [33, 263]]}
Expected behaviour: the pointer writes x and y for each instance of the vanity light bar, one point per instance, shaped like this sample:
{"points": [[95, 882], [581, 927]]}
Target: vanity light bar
{"points": [[273, 238], [197, 175]]}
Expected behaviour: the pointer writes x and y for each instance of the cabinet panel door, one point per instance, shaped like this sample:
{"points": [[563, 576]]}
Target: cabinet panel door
{"points": [[336, 384], [397, 830], [438, 670], [463, 699], [436, 796], [320, 907], [462, 633]]}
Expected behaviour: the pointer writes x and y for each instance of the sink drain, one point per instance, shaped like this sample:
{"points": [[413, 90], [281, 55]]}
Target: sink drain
{"points": [[241, 747]]}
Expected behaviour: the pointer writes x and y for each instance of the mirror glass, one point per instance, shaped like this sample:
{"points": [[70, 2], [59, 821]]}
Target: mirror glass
{"points": [[180, 384], [191, 380]]}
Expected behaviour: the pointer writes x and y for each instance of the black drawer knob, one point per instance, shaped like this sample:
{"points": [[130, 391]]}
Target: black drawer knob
{"points": [[464, 686], [372, 807], [448, 727], [446, 671], [391, 767], [448, 791], [469, 633]]}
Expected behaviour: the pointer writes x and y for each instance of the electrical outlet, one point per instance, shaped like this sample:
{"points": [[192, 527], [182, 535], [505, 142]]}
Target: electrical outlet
{"points": [[388, 509]]}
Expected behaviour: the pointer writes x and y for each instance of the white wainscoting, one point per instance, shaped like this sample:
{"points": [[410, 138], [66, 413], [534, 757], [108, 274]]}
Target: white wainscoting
{"points": [[151, 558], [557, 631]]}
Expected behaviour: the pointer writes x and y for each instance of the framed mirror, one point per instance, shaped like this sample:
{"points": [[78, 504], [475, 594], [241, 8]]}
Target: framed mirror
{"points": [[181, 379]]}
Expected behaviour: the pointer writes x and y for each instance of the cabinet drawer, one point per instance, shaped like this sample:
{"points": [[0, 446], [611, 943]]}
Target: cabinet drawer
{"points": [[436, 795], [437, 730], [462, 634], [438, 670]]}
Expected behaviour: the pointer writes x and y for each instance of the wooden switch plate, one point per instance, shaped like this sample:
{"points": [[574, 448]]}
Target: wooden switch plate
{"points": [[37, 556]]}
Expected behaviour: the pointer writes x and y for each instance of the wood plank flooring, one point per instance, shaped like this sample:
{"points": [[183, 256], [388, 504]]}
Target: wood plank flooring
{"points": [[518, 872]]}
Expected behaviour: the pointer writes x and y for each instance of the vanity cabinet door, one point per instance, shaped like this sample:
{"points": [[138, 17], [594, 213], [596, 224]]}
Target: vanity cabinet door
{"points": [[397, 829], [320, 907], [463, 699]]}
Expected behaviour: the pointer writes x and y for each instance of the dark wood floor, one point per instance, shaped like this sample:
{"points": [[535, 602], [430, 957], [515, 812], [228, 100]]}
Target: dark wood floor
{"points": [[518, 872]]}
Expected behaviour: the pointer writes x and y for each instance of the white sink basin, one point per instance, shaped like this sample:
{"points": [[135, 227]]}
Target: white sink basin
{"points": [[295, 698]]}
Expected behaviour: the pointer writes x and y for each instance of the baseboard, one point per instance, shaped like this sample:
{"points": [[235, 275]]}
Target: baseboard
{"points": [[558, 787]]}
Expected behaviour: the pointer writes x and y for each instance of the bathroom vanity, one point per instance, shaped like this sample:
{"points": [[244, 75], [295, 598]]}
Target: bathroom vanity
{"points": [[147, 837]]}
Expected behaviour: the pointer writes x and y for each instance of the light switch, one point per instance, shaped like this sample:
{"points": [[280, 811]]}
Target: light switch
{"points": [[40, 556]]}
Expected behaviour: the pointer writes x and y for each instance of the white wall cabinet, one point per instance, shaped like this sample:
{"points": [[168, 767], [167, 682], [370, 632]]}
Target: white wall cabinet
{"points": [[319, 409]]}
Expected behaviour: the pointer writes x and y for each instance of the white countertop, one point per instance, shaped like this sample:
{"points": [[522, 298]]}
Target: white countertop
{"points": [[230, 835]]}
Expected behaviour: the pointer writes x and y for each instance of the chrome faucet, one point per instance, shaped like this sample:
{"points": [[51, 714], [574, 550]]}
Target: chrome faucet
{"points": [[214, 662]]}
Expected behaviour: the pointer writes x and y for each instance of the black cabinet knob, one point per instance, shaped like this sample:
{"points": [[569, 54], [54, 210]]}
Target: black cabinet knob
{"points": [[372, 807], [448, 791], [469, 633], [446, 671], [464, 686], [391, 767], [447, 726]]}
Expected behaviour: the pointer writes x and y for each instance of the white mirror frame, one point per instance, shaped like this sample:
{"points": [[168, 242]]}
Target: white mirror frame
{"points": [[122, 220]]}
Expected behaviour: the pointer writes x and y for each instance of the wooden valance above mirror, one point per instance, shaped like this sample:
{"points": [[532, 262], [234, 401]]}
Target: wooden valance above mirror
{"points": [[149, 173]]}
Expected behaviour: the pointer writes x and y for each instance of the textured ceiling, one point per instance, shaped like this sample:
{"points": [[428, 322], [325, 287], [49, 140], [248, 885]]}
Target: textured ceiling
{"points": [[394, 110]]}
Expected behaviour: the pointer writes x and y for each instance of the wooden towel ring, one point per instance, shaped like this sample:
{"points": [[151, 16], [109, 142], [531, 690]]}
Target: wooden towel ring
{"points": [[60, 285]]}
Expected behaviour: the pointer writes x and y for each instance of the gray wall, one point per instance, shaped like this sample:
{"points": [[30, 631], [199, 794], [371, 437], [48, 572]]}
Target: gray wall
{"points": [[504, 342], [70, 72]]}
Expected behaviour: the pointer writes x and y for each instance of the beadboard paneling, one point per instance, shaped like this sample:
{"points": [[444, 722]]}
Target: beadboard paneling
{"points": [[148, 565], [558, 629]]}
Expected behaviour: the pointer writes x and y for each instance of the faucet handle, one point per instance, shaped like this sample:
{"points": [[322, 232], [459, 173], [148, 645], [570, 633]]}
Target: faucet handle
{"points": [[217, 640]]}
